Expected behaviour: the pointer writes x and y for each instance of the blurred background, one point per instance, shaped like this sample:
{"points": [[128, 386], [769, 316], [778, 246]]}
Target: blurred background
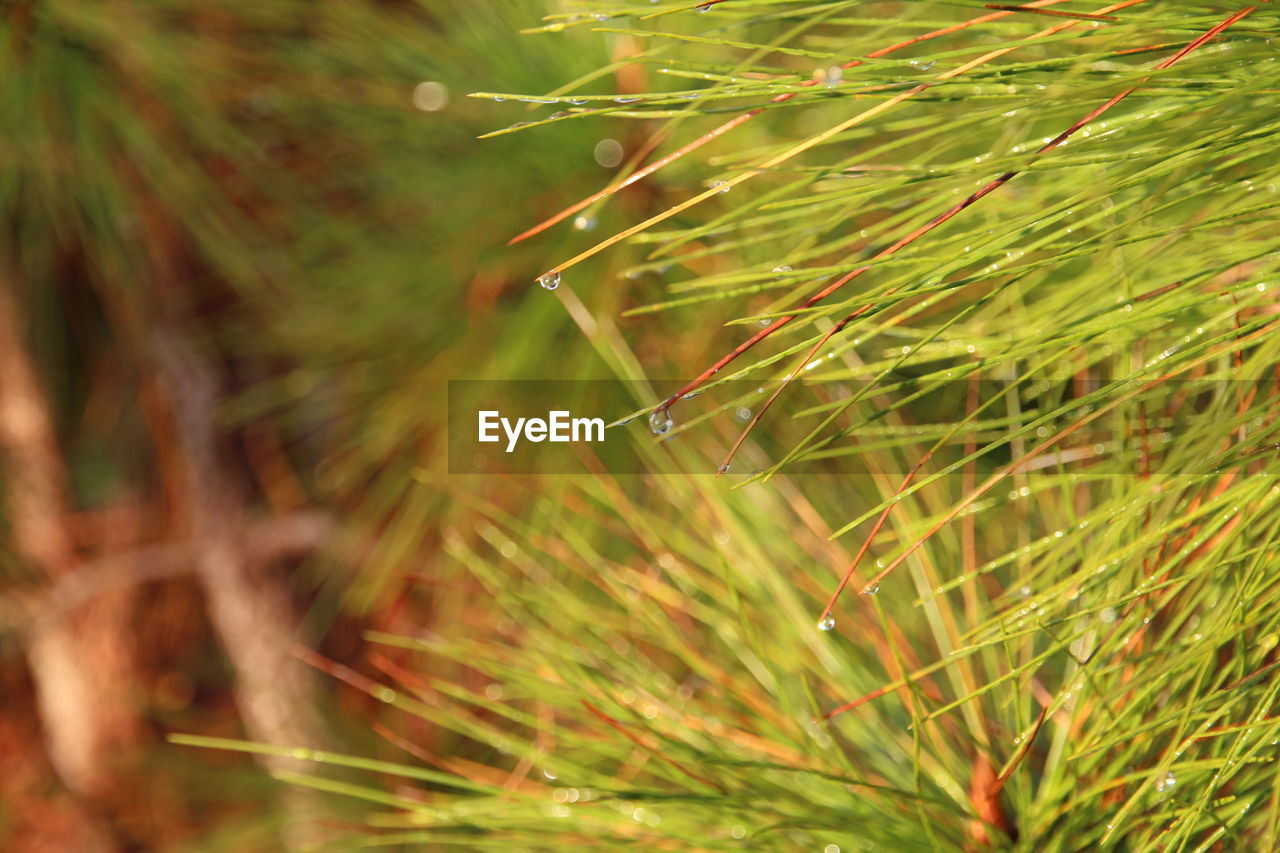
{"points": [[245, 247]]}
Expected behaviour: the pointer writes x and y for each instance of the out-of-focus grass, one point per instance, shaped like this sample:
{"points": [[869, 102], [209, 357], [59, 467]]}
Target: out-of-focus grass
{"points": [[263, 173]]}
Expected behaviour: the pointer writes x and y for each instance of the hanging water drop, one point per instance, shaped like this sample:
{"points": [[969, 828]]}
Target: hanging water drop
{"points": [[827, 623], [551, 280], [705, 7], [872, 590], [1167, 783], [660, 422], [723, 469]]}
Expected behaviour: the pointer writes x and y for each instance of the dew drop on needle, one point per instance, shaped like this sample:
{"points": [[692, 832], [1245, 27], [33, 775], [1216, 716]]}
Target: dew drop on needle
{"points": [[550, 281], [660, 422], [826, 623]]}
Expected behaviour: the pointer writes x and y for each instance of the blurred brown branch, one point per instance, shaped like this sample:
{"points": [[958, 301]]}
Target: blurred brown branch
{"points": [[293, 535], [37, 497]]}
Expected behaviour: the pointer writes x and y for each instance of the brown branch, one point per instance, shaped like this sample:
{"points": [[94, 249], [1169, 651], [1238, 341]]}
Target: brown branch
{"points": [[36, 491], [249, 609], [296, 534], [66, 678]]}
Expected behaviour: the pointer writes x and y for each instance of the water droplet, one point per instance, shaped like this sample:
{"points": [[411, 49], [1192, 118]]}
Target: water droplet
{"points": [[705, 7], [430, 96], [742, 413], [661, 422], [872, 590], [781, 269], [584, 223], [1167, 783], [550, 281], [721, 185], [723, 469], [834, 75], [923, 66], [826, 623], [608, 152]]}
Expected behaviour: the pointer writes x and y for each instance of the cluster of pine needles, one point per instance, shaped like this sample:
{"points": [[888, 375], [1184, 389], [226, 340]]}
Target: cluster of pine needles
{"points": [[1026, 595]]}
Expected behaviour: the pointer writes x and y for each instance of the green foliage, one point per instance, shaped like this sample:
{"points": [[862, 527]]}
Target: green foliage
{"points": [[259, 174], [1049, 420]]}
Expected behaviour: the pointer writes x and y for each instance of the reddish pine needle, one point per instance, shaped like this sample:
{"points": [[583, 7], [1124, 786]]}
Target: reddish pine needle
{"points": [[921, 231], [743, 119], [1021, 754], [1159, 291], [914, 235], [849, 706], [631, 736], [875, 530], [1083, 16]]}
